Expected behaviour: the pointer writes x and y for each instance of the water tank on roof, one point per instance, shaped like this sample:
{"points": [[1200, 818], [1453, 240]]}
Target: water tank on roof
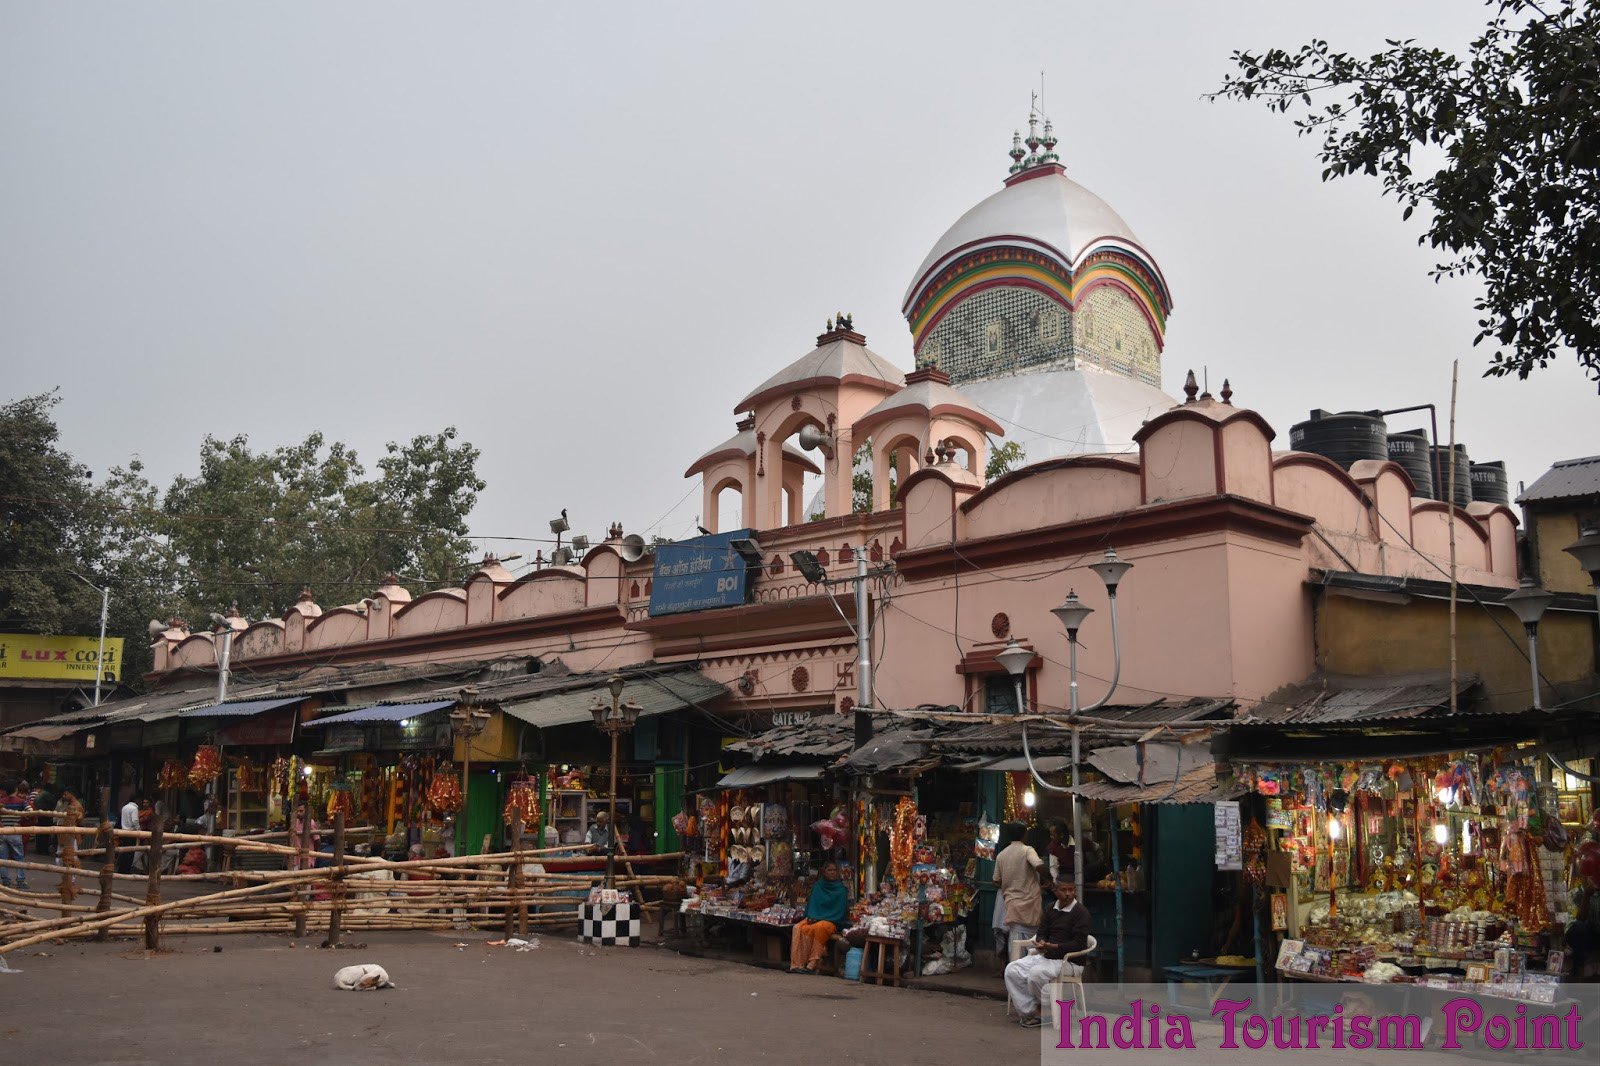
{"points": [[1410, 449], [1489, 483], [1346, 437], [1462, 495]]}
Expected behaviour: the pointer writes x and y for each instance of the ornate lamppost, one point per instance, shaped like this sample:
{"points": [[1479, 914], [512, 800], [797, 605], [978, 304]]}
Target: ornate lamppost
{"points": [[1072, 614], [466, 722], [615, 720]]}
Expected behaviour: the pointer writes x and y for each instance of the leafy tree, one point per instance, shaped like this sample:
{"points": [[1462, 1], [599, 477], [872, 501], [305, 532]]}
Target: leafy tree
{"points": [[42, 491], [1505, 143], [1003, 458], [249, 528]]}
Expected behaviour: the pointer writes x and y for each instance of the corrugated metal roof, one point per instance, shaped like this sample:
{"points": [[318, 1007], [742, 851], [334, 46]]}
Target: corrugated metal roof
{"points": [[1333, 700], [383, 712], [1200, 786], [44, 732], [1569, 479], [654, 694], [240, 708], [751, 776], [1132, 764]]}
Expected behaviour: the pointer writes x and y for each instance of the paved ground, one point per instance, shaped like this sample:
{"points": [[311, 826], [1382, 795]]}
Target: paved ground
{"points": [[268, 1000]]}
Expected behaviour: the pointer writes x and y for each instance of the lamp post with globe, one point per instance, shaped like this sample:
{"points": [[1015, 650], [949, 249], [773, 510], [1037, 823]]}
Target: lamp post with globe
{"points": [[615, 720], [1072, 614]]}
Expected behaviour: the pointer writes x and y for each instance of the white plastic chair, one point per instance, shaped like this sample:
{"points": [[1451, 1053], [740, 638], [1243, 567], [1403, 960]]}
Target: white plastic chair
{"points": [[1058, 986]]}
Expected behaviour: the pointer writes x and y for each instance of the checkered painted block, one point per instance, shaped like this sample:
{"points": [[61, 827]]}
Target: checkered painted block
{"points": [[617, 925]]}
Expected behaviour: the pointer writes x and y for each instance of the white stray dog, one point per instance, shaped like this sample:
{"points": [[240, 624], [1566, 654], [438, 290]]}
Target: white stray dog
{"points": [[366, 975]]}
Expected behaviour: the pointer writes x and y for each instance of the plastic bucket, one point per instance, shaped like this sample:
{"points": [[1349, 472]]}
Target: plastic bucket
{"points": [[852, 965]]}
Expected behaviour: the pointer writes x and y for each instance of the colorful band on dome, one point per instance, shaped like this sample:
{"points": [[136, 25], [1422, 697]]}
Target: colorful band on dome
{"points": [[987, 267]]}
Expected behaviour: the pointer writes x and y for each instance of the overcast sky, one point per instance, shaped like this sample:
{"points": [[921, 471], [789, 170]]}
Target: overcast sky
{"points": [[582, 232]]}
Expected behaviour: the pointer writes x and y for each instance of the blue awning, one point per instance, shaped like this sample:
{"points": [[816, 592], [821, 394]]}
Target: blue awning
{"points": [[242, 709], [381, 712]]}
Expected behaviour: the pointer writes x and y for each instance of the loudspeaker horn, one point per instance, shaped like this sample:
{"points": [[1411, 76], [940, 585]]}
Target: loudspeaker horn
{"points": [[632, 547], [813, 439]]}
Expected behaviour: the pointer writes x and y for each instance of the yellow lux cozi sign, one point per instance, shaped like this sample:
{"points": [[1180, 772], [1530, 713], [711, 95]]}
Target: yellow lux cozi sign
{"points": [[57, 658]]}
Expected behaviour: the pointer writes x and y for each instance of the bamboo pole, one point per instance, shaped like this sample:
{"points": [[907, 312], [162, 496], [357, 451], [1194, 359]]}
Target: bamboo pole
{"points": [[516, 919], [337, 881], [108, 869], [152, 923]]}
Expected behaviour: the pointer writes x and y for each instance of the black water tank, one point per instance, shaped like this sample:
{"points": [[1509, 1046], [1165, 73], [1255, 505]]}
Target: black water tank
{"points": [[1346, 437], [1489, 483], [1410, 449], [1463, 482]]}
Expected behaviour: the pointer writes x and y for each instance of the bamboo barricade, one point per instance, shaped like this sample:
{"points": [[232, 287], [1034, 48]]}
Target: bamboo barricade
{"points": [[489, 891]]}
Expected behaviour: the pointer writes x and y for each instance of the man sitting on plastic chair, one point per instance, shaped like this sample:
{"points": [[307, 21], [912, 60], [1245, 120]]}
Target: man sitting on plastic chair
{"points": [[1064, 931]]}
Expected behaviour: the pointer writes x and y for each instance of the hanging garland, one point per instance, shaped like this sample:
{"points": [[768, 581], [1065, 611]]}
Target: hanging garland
{"points": [[1255, 853], [444, 794], [523, 800], [1012, 809], [173, 775], [902, 840], [278, 774], [207, 767], [339, 799]]}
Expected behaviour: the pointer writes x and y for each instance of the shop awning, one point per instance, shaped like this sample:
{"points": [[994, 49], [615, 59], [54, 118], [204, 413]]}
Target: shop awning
{"points": [[1200, 786], [654, 694], [381, 712], [1045, 764], [240, 709], [48, 732], [751, 776]]}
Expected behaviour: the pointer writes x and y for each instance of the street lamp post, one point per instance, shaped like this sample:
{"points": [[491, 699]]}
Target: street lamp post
{"points": [[100, 653], [466, 722], [1072, 614], [1016, 659], [614, 721], [1586, 549], [1529, 603]]}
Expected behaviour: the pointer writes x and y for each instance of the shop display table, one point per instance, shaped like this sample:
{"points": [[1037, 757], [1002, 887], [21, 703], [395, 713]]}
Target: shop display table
{"points": [[882, 966], [1214, 977]]}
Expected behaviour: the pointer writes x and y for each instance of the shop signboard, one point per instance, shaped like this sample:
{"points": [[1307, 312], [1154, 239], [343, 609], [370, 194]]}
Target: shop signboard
{"points": [[26, 655], [261, 730], [699, 574], [157, 734], [344, 738]]}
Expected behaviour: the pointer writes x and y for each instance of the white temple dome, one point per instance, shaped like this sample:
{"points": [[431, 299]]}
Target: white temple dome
{"points": [[1046, 311], [1048, 211]]}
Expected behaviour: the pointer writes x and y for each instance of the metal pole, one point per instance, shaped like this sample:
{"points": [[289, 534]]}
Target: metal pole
{"points": [[1533, 663], [1116, 877], [1077, 815], [611, 820], [1020, 708], [223, 662], [463, 838], [863, 637], [100, 655]]}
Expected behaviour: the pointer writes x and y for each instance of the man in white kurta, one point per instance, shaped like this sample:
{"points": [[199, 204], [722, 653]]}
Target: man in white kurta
{"points": [[1064, 930]]}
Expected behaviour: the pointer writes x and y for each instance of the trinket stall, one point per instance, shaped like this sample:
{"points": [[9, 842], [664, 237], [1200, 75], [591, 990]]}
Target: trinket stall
{"points": [[1451, 871]]}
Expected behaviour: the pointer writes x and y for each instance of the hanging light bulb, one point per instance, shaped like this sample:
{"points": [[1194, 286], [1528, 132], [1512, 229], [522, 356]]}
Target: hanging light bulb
{"points": [[1029, 799], [1335, 829], [1445, 796], [1441, 833]]}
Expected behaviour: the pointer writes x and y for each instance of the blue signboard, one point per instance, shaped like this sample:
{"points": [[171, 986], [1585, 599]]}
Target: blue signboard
{"points": [[699, 574]]}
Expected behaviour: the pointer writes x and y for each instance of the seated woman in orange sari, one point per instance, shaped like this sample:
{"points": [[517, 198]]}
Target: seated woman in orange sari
{"points": [[826, 909]]}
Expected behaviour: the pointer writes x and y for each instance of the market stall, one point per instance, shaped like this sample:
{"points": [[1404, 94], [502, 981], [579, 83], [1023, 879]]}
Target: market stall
{"points": [[1451, 871]]}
